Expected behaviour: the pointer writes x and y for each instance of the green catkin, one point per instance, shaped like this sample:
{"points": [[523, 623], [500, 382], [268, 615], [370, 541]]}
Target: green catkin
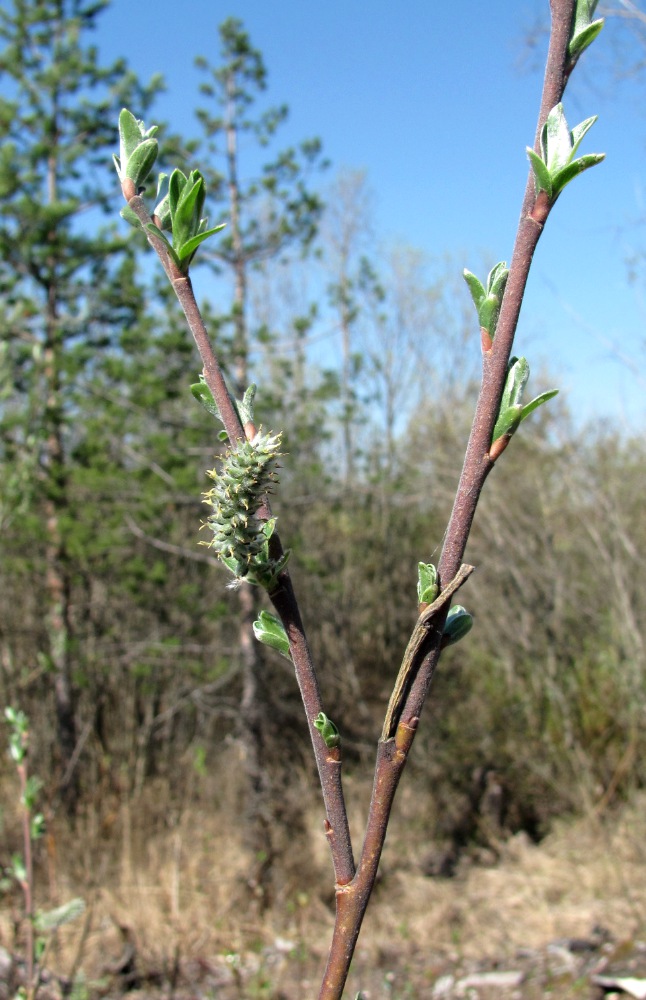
{"points": [[247, 474]]}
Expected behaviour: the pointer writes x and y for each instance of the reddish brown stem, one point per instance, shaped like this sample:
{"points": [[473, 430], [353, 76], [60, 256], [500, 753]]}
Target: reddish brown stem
{"points": [[283, 598], [352, 900], [27, 883], [478, 463], [328, 761]]}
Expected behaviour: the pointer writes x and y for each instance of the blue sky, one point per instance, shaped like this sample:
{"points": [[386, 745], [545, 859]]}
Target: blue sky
{"points": [[437, 103]]}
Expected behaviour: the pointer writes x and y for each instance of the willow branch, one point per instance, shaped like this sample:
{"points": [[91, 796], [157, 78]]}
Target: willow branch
{"points": [[328, 760], [478, 461], [425, 647]]}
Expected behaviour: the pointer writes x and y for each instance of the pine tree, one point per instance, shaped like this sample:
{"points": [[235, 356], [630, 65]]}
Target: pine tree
{"points": [[66, 284]]}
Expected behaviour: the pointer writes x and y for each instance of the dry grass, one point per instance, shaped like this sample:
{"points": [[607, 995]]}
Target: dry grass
{"points": [[179, 892]]}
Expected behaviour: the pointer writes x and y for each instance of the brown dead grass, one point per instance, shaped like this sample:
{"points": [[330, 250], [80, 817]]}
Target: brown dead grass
{"points": [[585, 873], [180, 892]]}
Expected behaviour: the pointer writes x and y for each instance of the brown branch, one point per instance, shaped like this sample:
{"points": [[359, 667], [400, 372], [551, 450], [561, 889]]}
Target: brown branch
{"points": [[414, 653], [328, 761], [283, 598], [478, 463], [392, 753]]}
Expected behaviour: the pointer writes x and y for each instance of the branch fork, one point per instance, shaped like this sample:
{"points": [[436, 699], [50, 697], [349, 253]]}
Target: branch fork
{"points": [[499, 411]]}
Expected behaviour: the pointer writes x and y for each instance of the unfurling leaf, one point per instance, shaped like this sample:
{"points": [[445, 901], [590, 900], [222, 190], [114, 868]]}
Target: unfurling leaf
{"points": [[512, 412], [180, 209], [185, 202], [328, 730], [427, 587], [556, 165], [488, 300], [458, 623], [244, 406], [584, 29], [137, 149], [131, 217], [270, 631], [204, 396], [141, 162]]}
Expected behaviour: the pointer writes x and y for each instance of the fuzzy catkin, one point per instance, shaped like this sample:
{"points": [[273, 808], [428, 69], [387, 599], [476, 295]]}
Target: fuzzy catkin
{"points": [[247, 474]]}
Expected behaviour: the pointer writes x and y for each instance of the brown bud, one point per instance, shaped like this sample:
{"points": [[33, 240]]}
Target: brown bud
{"points": [[128, 188], [499, 446]]}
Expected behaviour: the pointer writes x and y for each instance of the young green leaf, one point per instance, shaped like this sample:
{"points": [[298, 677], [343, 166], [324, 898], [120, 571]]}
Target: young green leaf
{"points": [[426, 583], [542, 176], [328, 730], [187, 196], [488, 300], [535, 403], [37, 826], [161, 211], [270, 631], [132, 136], [131, 217], [244, 406], [476, 288], [18, 869], [458, 623], [187, 250], [517, 377], [183, 204], [141, 162], [556, 166], [584, 29], [511, 411], [204, 396]]}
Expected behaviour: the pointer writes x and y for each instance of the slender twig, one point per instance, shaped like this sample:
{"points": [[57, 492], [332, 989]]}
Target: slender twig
{"points": [[27, 884], [478, 462], [392, 753], [328, 760]]}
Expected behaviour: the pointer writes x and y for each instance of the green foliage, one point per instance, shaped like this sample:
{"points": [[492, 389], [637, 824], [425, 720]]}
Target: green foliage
{"points": [[181, 212], [427, 588], [270, 631], [458, 623], [557, 166], [487, 300], [584, 29], [548, 688], [47, 921], [328, 730], [18, 735], [512, 412], [21, 867], [67, 291], [137, 150], [244, 406], [154, 651]]}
